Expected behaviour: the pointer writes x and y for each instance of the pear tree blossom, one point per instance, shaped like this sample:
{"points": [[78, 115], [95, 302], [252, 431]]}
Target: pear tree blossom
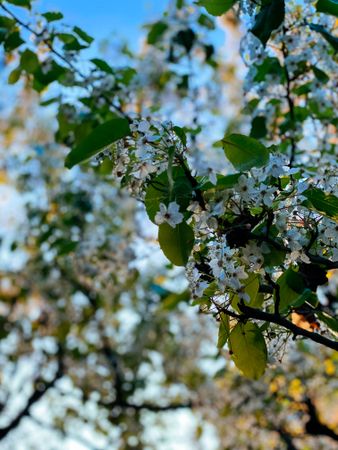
{"points": [[255, 200]]}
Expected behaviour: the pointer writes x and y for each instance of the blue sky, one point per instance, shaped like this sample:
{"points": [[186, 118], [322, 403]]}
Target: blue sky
{"points": [[102, 17]]}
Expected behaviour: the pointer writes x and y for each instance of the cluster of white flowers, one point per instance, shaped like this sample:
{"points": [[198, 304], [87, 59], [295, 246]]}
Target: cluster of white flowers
{"points": [[144, 153]]}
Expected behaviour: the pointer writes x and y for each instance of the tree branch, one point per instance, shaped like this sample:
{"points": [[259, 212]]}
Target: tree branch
{"points": [[253, 313], [148, 406], [34, 398], [313, 258], [287, 438], [314, 426]]}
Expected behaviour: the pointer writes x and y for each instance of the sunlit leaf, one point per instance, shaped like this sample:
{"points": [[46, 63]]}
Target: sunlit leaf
{"points": [[245, 152], [248, 349]]}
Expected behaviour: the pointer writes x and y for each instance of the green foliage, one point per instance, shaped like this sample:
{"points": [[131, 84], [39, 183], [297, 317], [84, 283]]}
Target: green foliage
{"points": [[23, 3], [185, 38], [83, 35], [291, 286], [52, 16], [331, 322], [176, 243], [156, 31], [217, 7], [13, 41], [162, 191], [326, 204], [270, 66], [248, 349], [250, 288], [29, 61], [102, 65], [332, 40], [223, 182], [320, 74], [328, 6], [258, 127], [270, 17], [223, 331], [103, 136], [244, 152], [247, 238]]}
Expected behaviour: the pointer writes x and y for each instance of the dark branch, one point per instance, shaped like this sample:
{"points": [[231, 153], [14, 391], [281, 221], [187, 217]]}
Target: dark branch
{"points": [[313, 258], [39, 392], [148, 406], [286, 437], [314, 425], [253, 313]]}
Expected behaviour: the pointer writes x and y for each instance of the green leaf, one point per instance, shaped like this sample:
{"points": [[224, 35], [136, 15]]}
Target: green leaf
{"points": [[269, 66], [13, 41], [307, 296], [186, 38], [258, 127], [320, 74], [326, 204], [97, 140], [23, 3], [42, 78], [270, 17], [217, 7], [206, 21], [29, 61], [176, 243], [328, 6], [291, 286], [52, 16], [159, 192], [245, 152], [156, 31], [251, 287], [223, 182], [223, 331], [248, 348], [275, 257], [4, 329], [333, 40], [170, 302], [83, 35], [180, 133], [102, 65], [14, 76], [330, 321]]}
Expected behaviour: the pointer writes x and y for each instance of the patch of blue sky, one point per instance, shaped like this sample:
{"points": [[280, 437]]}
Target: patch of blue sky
{"points": [[102, 17]]}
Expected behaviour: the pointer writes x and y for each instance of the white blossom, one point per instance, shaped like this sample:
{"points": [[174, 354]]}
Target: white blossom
{"points": [[170, 214]]}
